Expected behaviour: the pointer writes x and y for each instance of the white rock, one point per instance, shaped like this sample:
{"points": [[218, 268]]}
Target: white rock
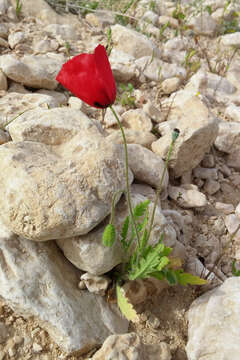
{"points": [[15, 38], [66, 31], [122, 65], [163, 19], [34, 71], [16, 106], [237, 210], [187, 196], [3, 43], [133, 137], [132, 42], [152, 111], [4, 5], [228, 138], [69, 189], [213, 332], [44, 46], [225, 208], [136, 119], [3, 30], [150, 17], [96, 284], [44, 287], [75, 103], [198, 130], [233, 112], [129, 347], [100, 18], [203, 24], [231, 40], [109, 118], [170, 85], [213, 86], [175, 49], [146, 166]]}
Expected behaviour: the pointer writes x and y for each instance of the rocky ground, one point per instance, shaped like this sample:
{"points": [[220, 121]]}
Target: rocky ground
{"points": [[176, 65]]}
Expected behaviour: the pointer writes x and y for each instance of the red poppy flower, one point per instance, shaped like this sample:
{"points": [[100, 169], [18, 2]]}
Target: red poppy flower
{"points": [[89, 77]]}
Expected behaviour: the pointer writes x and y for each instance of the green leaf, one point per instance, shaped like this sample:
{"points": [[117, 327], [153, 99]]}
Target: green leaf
{"points": [[186, 278], [148, 263], [109, 235], [234, 269], [171, 277], [163, 262], [158, 275], [125, 306], [140, 208]]}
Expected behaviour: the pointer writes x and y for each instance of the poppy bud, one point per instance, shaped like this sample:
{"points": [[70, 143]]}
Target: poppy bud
{"points": [[90, 78]]}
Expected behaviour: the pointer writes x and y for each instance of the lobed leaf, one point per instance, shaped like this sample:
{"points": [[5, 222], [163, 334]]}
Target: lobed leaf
{"points": [[125, 306], [109, 235]]}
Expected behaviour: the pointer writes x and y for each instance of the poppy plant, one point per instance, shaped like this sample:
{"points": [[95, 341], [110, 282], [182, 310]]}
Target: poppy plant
{"points": [[90, 78]]}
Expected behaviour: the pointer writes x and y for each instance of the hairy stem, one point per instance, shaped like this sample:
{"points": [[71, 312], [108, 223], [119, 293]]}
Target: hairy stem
{"points": [[127, 175]]}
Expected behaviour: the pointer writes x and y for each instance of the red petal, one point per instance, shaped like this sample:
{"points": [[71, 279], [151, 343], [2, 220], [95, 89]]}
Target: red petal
{"points": [[89, 77]]}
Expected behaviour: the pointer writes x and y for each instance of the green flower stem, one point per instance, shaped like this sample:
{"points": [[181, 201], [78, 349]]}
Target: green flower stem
{"points": [[174, 137], [127, 175]]}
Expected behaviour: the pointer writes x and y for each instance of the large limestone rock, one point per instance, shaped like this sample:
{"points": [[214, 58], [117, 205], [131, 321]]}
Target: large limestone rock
{"points": [[87, 252], [62, 191], [132, 42], [198, 130], [44, 13], [214, 323], [13, 104], [33, 71], [51, 127], [122, 65], [129, 347], [228, 138], [36, 280]]}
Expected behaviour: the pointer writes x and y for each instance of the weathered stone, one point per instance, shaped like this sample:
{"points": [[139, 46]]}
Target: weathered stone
{"points": [[198, 130], [50, 126], [213, 331], [132, 42], [88, 253], [211, 186], [205, 173], [203, 24], [231, 40], [96, 284], [129, 347], [213, 86], [66, 190], [4, 5], [15, 38], [233, 112], [170, 85], [136, 120], [34, 71], [153, 112], [147, 166], [13, 104], [150, 17], [100, 18], [133, 137], [66, 31], [228, 138], [3, 30], [37, 281], [163, 19], [175, 49], [224, 208], [187, 196], [45, 46], [123, 65], [45, 14]]}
